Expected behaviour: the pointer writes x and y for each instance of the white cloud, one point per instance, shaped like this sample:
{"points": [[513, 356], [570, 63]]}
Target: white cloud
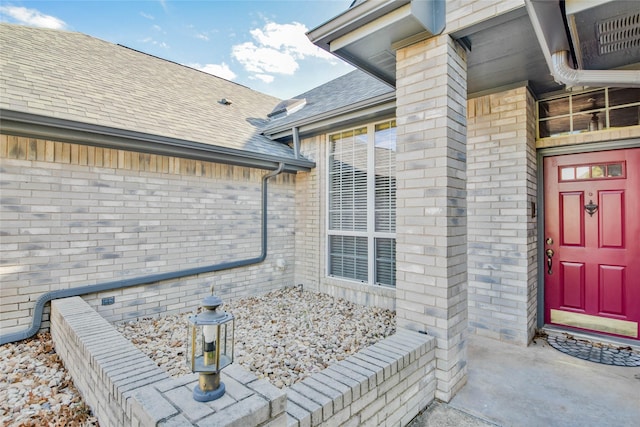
{"points": [[149, 17], [277, 49], [155, 42], [202, 37], [220, 70], [290, 38], [267, 78], [32, 17], [264, 59]]}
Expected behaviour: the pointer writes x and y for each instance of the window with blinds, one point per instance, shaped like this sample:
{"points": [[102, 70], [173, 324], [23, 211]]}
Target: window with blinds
{"points": [[362, 204]]}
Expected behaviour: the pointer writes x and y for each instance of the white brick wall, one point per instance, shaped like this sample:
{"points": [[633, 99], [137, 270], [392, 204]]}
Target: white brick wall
{"points": [[73, 215], [431, 202], [309, 219], [464, 13], [502, 231]]}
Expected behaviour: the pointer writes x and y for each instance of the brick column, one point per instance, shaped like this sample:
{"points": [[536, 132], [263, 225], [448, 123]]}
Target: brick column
{"points": [[431, 290]]}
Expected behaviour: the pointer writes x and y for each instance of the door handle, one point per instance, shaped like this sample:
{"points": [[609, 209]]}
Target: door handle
{"points": [[549, 253]]}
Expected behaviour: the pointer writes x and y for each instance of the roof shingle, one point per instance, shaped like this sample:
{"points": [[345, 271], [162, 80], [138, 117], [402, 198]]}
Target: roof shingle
{"points": [[346, 90], [76, 77]]}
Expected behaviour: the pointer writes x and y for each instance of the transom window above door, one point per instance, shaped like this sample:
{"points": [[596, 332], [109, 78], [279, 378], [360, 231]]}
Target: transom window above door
{"points": [[592, 171]]}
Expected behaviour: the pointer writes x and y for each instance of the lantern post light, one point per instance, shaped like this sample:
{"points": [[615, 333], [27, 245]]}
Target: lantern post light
{"points": [[210, 348]]}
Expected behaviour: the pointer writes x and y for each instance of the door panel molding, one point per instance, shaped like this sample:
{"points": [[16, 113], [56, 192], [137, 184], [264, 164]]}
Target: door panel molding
{"points": [[611, 219], [541, 153], [590, 241]]}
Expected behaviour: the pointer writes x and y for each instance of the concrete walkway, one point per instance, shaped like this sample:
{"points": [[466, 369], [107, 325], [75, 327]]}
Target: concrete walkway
{"points": [[536, 386]]}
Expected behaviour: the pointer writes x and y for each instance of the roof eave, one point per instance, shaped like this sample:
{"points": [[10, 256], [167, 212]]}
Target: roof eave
{"points": [[367, 35], [350, 20], [36, 126], [379, 106]]}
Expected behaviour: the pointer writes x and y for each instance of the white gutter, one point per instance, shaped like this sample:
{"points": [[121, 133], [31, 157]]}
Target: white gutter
{"points": [[564, 73], [548, 24]]}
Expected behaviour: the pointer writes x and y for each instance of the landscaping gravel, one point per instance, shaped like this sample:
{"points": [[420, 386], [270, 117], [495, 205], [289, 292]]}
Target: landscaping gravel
{"points": [[35, 388], [283, 336]]}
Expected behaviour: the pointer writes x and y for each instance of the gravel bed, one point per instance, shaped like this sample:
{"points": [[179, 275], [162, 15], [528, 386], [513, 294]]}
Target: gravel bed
{"points": [[36, 389], [283, 336]]}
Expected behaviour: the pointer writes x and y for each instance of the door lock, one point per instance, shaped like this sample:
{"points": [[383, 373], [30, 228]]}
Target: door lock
{"points": [[549, 253]]}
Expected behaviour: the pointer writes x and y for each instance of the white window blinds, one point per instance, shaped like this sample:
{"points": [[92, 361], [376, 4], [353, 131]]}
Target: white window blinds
{"points": [[362, 203], [348, 180]]}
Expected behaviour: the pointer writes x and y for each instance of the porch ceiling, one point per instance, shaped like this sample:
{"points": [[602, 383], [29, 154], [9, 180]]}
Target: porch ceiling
{"points": [[505, 51], [502, 51]]}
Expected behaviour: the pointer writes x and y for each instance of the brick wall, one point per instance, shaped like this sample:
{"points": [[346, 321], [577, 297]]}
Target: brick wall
{"points": [[309, 219], [502, 188], [604, 135], [75, 215], [431, 202], [464, 13]]}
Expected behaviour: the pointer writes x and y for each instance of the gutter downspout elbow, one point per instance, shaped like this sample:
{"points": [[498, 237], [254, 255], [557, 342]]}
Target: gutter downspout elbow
{"points": [[564, 73], [38, 309]]}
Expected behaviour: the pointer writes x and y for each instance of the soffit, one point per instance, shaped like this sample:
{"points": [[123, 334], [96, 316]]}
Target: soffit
{"points": [[365, 34], [505, 51]]}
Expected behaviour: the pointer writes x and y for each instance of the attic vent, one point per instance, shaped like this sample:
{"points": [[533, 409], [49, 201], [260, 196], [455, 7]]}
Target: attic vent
{"points": [[619, 33], [287, 107]]}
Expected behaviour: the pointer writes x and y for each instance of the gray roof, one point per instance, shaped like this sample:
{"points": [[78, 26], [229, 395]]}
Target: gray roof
{"points": [[350, 89], [72, 76]]}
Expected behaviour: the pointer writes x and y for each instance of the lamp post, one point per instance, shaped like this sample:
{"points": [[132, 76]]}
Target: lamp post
{"points": [[210, 348]]}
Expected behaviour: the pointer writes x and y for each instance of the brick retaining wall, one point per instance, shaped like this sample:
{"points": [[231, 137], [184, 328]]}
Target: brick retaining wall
{"points": [[388, 383], [124, 387]]}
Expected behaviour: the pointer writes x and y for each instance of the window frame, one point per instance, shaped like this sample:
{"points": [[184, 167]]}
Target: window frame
{"points": [[370, 234], [573, 114]]}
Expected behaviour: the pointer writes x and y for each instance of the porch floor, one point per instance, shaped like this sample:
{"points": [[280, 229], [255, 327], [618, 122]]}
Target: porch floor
{"points": [[509, 385]]}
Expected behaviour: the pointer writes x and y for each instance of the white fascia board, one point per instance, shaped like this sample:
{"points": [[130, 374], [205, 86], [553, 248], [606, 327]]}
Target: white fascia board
{"points": [[371, 27], [351, 20]]}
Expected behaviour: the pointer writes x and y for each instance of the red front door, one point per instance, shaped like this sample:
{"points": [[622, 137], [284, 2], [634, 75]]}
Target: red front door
{"points": [[592, 241]]}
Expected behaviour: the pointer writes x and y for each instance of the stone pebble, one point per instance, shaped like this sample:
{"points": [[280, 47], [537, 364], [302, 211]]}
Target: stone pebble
{"points": [[36, 389], [283, 336]]}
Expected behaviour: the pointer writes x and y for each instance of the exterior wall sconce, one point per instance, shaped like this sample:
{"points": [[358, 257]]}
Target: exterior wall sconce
{"points": [[210, 348]]}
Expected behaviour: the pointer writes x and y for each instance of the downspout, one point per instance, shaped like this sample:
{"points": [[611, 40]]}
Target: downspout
{"points": [[564, 73], [36, 321], [549, 26], [296, 141]]}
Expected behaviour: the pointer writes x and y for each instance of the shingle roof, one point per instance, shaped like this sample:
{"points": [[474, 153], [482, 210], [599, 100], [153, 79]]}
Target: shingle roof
{"points": [[346, 90], [72, 76]]}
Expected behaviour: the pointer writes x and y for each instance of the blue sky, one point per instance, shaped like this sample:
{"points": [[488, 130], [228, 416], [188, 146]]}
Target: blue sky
{"points": [[260, 44]]}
